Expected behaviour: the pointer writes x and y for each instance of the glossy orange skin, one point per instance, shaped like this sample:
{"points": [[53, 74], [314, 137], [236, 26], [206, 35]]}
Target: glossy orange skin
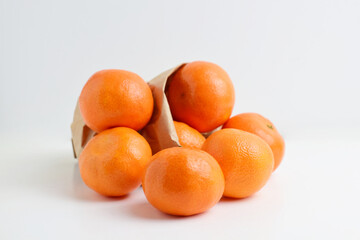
{"points": [[245, 159], [262, 127], [183, 181], [188, 136], [116, 98], [114, 161], [201, 95]]}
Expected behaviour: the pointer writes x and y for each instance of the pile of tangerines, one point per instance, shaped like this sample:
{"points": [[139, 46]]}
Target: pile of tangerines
{"points": [[235, 161]]}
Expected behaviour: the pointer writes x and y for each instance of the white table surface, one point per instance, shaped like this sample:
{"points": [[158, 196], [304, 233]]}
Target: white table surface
{"points": [[313, 195]]}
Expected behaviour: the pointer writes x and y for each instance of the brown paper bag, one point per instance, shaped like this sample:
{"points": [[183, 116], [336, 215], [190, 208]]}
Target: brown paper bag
{"points": [[159, 132], [80, 132]]}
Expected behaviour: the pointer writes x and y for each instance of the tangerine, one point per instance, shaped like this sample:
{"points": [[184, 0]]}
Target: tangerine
{"points": [[113, 162], [116, 98], [245, 159], [262, 127], [183, 181], [201, 95]]}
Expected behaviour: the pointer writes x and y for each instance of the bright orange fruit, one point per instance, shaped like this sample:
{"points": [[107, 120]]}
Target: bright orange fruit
{"points": [[245, 159], [114, 161], [262, 127], [201, 95], [116, 98], [183, 181], [188, 136]]}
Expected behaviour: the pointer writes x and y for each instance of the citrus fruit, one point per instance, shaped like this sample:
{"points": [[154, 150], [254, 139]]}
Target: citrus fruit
{"points": [[116, 98], [183, 181], [262, 127], [245, 159], [201, 95], [188, 136], [113, 162]]}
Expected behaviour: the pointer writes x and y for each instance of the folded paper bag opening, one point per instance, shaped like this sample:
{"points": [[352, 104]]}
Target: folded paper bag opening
{"points": [[159, 132]]}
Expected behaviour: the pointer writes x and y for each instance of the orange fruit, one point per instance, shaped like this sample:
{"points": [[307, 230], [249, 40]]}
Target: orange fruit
{"points": [[188, 136], [116, 98], [114, 161], [245, 159], [183, 181], [201, 95], [262, 127]]}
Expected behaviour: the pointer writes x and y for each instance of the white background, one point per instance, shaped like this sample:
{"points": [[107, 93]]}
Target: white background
{"points": [[295, 62]]}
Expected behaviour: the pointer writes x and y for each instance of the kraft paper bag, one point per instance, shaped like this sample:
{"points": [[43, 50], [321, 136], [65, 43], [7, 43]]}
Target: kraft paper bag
{"points": [[159, 132], [80, 132]]}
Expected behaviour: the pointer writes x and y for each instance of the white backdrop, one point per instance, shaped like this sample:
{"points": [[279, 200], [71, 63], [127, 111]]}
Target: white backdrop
{"points": [[295, 62]]}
